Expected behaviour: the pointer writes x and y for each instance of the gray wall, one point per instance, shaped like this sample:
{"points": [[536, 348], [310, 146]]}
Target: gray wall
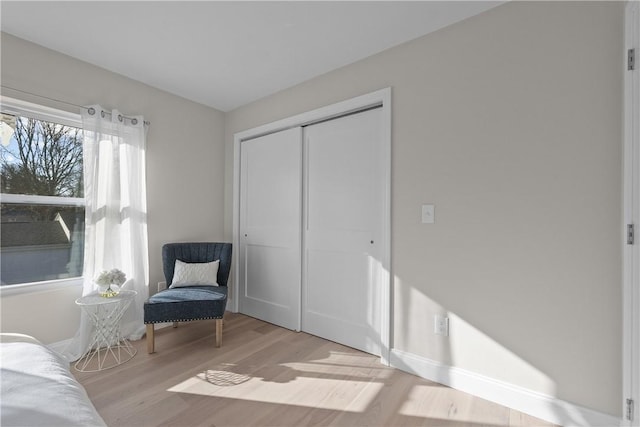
{"points": [[510, 123], [185, 167]]}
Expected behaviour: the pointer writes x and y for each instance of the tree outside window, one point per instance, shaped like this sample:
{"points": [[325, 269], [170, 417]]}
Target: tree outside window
{"points": [[42, 209]]}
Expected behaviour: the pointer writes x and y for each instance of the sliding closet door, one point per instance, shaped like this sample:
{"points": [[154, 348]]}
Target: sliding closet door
{"points": [[270, 228], [343, 230]]}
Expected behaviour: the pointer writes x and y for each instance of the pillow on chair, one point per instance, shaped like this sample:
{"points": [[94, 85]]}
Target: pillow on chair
{"points": [[195, 274]]}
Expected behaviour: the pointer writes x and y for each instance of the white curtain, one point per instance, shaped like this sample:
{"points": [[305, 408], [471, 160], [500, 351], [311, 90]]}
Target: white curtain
{"points": [[116, 213]]}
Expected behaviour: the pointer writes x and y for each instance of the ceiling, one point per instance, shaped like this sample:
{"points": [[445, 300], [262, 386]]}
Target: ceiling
{"points": [[225, 54]]}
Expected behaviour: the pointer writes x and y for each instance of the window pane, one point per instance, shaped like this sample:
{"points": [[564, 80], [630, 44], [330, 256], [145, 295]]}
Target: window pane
{"points": [[40, 157], [41, 242]]}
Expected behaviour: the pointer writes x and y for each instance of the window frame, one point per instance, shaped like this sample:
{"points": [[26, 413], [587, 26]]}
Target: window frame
{"points": [[22, 108]]}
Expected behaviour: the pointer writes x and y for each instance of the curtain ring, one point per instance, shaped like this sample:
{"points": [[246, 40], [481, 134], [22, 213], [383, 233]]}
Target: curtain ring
{"points": [[134, 121], [91, 111]]}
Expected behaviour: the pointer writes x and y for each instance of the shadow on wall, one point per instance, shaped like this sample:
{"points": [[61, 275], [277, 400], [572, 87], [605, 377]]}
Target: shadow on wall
{"points": [[468, 357], [465, 352]]}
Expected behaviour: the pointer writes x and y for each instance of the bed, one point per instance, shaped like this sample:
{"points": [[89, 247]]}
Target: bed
{"points": [[38, 388]]}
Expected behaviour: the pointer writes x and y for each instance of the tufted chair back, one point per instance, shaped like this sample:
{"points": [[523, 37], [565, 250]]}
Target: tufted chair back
{"points": [[197, 252]]}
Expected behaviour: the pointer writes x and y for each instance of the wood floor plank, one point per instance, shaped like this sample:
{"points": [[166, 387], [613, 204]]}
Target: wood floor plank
{"points": [[264, 375]]}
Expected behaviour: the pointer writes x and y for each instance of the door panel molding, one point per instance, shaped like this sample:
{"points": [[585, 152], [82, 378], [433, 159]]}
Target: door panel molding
{"points": [[342, 230], [269, 252]]}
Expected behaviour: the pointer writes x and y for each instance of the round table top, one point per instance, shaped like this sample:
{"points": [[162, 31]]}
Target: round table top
{"points": [[94, 298]]}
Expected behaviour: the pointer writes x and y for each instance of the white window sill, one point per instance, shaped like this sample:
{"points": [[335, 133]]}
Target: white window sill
{"points": [[27, 288]]}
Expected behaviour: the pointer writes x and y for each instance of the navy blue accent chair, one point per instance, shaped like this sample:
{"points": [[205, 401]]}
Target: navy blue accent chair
{"points": [[187, 303]]}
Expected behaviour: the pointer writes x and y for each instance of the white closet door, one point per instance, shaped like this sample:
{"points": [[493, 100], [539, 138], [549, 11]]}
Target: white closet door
{"points": [[270, 228], [343, 221]]}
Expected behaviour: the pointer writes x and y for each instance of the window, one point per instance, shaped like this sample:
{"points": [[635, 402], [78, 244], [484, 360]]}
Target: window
{"points": [[42, 194]]}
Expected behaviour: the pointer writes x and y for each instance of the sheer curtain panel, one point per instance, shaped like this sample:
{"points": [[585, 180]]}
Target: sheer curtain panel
{"points": [[116, 213]]}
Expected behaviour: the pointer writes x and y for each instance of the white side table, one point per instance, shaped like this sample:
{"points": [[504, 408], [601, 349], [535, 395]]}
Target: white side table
{"points": [[107, 348]]}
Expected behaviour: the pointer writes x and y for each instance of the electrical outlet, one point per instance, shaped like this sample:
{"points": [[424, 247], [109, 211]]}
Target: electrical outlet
{"points": [[441, 325], [428, 214]]}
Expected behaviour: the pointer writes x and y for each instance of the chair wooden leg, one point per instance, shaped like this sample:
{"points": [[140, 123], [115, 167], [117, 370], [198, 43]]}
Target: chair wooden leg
{"points": [[175, 324], [218, 332], [150, 338]]}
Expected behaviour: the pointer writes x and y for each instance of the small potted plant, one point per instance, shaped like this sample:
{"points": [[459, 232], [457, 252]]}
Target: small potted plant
{"points": [[108, 278]]}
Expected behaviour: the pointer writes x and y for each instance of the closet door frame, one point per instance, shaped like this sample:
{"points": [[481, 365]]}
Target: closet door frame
{"points": [[380, 98]]}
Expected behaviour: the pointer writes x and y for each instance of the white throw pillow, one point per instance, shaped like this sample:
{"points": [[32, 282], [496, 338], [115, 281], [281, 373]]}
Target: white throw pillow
{"points": [[195, 274]]}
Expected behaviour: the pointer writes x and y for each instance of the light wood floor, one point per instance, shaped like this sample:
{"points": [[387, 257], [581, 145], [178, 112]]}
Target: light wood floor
{"points": [[264, 375]]}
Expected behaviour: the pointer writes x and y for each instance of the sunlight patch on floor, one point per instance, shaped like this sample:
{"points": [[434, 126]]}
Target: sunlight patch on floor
{"points": [[306, 391], [448, 404], [336, 370]]}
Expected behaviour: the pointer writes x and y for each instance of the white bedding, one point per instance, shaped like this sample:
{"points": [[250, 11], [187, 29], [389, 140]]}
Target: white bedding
{"points": [[38, 389]]}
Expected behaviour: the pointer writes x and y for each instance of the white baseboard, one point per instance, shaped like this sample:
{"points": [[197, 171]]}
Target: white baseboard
{"points": [[536, 404]]}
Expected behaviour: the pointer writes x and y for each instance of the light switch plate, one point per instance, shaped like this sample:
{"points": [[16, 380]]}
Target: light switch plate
{"points": [[441, 325], [428, 214]]}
